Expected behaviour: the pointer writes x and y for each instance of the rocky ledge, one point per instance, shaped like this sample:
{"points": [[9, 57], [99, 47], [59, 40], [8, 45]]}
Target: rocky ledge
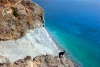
{"points": [[17, 16], [38, 61]]}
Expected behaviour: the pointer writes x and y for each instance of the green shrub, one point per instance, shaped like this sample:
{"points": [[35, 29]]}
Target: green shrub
{"points": [[15, 13]]}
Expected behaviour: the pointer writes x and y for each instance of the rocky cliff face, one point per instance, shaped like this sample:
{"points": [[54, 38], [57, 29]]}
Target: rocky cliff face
{"points": [[39, 61], [17, 17]]}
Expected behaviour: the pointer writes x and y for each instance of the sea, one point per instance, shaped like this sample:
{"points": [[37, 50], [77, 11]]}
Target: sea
{"points": [[75, 25]]}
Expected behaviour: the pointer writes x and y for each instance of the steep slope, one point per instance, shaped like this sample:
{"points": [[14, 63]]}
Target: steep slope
{"points": [[17, 16], [22, 34], [36, 42]]}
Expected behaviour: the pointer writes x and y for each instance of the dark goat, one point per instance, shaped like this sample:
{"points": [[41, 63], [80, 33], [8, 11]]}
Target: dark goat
{"points": [[61, 54]]}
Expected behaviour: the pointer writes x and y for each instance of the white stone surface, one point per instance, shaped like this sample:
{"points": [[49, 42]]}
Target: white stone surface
{"points": [[36, 42]]}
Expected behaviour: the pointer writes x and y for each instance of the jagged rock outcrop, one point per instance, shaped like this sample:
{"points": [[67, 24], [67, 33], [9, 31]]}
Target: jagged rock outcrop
{"points": [[51, 61], [39, 61], [17, 17], [4, 62]]}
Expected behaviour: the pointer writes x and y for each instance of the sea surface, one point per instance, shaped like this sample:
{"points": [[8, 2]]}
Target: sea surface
{"points": [[75, 25]]}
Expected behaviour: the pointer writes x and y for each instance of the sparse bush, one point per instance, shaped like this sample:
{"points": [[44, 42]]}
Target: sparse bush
{"points": [[15, 13]]}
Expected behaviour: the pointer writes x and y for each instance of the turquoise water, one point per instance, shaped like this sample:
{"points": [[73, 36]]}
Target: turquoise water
{"points": [[75, 24]]}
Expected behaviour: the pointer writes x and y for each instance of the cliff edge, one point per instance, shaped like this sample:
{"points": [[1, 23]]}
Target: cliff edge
{"points": [[38, 61], [22, 34], [17, 16]]}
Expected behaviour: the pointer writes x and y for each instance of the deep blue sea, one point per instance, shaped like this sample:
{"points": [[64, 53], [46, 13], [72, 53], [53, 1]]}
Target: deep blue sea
{"points": [[75, 25]]}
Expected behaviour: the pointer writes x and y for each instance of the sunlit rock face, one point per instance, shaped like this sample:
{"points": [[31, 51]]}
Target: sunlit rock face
{"points": [[38, 61], [17, 17]]}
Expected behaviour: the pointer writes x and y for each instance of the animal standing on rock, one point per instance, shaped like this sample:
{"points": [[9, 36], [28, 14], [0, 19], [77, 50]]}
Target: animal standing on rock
{"points": [[61, 54]]}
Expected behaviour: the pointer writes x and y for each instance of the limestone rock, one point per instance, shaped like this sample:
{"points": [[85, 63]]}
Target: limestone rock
{"points": [[17, 17], [39, 61], [4, 62], [51, 61]]}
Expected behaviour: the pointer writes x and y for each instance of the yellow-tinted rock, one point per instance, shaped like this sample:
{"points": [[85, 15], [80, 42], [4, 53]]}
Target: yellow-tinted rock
{"points": [[39, 61], [17, 17]]}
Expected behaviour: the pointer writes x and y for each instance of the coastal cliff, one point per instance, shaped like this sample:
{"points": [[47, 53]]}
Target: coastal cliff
{"points": [[24, 42], [17, 17]]}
